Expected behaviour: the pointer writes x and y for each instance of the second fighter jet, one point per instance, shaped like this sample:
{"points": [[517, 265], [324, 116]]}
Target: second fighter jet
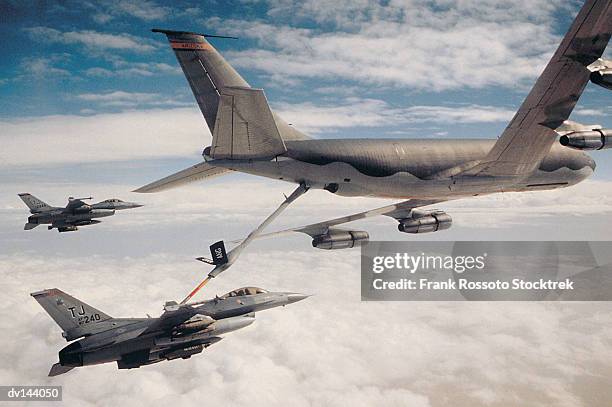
{"points": [[75, 213]]}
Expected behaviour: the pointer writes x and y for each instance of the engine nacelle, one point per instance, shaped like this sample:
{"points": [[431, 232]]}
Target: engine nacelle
{"points": [[425, 222], [340, 239], [596, 139]]}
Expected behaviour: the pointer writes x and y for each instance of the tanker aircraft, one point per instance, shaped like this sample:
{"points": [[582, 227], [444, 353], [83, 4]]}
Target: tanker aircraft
{"points": [[539, 149]]}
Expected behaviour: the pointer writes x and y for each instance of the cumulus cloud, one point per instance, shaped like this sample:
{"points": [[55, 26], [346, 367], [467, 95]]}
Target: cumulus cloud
{"points": [[133, 69], [330, 349], [419, 44], [129, 99], [118, 96], [209, 211], [592, 112], [36, 141], [102, 12], [181, 131], [144, 10], [44, 67], [356, 112], [93, 40]]}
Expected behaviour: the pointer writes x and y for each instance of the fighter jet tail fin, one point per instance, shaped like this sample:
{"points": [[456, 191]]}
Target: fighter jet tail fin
{"points": [[75, 317], [58, 369], [35, 204]]}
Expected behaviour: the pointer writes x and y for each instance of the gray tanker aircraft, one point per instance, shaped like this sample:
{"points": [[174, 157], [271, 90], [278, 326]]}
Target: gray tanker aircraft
{"points": [[75, 213], [180, 332], [539, 149]]}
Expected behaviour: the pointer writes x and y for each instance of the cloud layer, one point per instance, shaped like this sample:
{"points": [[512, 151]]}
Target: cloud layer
{"points": [[330, 349], [181, 132], [416, 44], [93, 40], [356, 113], [129, 135]]}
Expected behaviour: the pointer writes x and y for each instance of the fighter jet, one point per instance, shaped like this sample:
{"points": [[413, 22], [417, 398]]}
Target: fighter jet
{"points": [[180, 332], [248, 137], [76, 213]]}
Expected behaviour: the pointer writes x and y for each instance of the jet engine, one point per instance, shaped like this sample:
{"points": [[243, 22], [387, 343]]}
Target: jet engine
{"points": [[596, 139], [601, 73], [425, 221], [340, 239], [71, 355]]}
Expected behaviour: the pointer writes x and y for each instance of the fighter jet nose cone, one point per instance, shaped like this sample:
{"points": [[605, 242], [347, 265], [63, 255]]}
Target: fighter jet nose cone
{"points": [[295, 297]]}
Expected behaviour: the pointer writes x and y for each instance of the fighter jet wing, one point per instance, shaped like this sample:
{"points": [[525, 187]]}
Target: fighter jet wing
{"points": [[530, 134], [398, 211]]}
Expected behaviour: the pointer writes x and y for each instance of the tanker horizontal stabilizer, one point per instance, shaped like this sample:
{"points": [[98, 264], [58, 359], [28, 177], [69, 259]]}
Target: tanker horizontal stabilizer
{"points": [[194, 173]]}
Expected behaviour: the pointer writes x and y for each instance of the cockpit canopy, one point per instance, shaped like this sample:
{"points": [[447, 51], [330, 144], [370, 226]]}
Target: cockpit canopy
{"points": [[244, 291], [114, 200]]}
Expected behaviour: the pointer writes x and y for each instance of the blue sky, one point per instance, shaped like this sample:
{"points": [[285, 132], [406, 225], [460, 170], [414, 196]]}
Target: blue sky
{"points": [[371, 69]]}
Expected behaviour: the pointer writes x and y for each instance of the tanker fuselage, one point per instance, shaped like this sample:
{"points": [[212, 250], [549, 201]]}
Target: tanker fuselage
{"points": [[405, 169]]}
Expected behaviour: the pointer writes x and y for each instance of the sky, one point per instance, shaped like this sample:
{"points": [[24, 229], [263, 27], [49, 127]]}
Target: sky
{"points": [[92, 103]]}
